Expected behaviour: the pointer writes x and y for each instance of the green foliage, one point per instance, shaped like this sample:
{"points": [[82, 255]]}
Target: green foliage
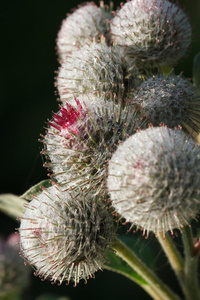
{"points": [[146, 254], [12, 205], [116, 264], [10, 296], [36, 189]]}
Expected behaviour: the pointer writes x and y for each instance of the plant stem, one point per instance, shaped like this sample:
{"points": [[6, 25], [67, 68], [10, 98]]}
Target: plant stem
{"points": [[192, 291], [173, 255], [164, 292]]}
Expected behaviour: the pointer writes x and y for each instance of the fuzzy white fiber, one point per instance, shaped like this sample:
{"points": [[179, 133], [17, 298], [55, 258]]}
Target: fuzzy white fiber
{"points": [[64, 236], [171, 100], [99, 69], [153, 30], [86, 24], [81, 159], [154, 179]]}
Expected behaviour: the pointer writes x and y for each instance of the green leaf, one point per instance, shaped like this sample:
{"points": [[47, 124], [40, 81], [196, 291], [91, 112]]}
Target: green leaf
{"points": [[36, 189], [116, 264], [12, 205], [10, 296], [196, 70]]}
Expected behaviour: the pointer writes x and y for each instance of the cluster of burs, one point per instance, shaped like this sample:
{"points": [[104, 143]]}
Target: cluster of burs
{"points": [[122, 145]]}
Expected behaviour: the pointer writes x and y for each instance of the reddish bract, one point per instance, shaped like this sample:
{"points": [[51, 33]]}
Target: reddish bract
{"points": [[66, 121]]}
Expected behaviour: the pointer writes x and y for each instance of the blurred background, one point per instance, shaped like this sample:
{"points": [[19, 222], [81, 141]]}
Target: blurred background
{"points": [[27, 99]]}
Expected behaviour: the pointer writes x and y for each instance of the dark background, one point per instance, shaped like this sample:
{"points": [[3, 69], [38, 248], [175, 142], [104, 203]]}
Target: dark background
{"points": [[27, 98]]}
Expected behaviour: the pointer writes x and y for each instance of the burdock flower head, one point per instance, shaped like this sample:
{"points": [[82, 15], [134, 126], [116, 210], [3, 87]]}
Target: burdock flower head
{"points": [[65, 236], [81, 139], [86, 24], [169, 99], [154, 179], [68, 121], [96, 68], [152, 30]]}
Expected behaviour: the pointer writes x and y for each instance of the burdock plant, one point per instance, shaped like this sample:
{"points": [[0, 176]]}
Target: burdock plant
{"points": [[122, 148], [154, 30], [65, 235]]}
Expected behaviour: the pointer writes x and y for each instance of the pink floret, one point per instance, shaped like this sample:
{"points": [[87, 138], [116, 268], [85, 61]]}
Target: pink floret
{"points": [[66, 121]]}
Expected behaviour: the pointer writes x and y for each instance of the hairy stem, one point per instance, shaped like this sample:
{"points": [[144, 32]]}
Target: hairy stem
{"points": [[164, 292], [173, 255], [192, 291]]}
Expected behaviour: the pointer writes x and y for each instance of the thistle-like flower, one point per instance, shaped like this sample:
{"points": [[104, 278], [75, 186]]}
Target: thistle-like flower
{"points": [[99, 69], [172, 100], [65, 236], [80, 140], [152, 30], [14, 277], [86, 24], [154, 179]]}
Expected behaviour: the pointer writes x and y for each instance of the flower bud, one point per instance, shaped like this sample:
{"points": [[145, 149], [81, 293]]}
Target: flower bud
{"points": [[86, 24], [65, 236], [152, 30], [78, 148], [96, 68], [154, 180], [172, 100]]}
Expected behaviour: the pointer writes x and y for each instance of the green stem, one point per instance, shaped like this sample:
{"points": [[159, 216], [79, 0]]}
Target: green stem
{"points": [[173, 255], [151, 278], [192, 291]]}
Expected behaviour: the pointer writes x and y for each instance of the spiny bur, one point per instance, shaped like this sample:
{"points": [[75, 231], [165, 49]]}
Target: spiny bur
{"points": [[81, 139], [65, 236], [154, 179], [170, 99], [85, 24], [99, 69], [153, 30]]}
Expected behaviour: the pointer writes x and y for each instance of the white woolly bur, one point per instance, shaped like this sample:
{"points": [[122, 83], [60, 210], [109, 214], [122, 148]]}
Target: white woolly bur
{"points": [[88, 22], [78, 153], [154, 30], [65, 236], [154, 179], [172, 100], [96, 68]]}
